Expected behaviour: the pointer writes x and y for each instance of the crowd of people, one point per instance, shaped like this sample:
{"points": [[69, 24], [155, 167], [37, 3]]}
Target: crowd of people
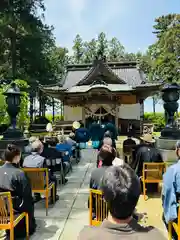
{"points": [[121, 187], [37, 154], [118, 179]]}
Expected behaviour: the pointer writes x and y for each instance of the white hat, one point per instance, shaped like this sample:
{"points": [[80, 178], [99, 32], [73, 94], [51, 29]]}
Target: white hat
{"points": [[76, 125], [49, 127]]}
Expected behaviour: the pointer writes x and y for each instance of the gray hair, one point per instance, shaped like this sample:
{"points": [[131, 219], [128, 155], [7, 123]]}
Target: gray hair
{"points": [[71, 134], [32, 139], [36, 146], [108, 141]]}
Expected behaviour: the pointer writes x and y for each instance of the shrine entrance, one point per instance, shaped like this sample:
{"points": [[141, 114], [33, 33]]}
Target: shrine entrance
{"points": [[102, 113]]}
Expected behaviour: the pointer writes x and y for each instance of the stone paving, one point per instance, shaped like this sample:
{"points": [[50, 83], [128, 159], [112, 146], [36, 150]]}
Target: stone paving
{"points": [[69, 215]]}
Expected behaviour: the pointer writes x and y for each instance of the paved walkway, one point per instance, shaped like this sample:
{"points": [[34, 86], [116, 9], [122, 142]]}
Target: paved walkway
{"points": [[66, 219]]}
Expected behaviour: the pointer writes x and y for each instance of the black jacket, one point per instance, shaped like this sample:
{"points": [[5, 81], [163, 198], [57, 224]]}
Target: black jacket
{"points": [[145, 153], [14, 180]]}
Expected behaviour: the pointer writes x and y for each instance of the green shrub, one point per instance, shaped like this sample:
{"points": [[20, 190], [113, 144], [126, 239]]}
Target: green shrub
{"points": [[158, 120], [56, 117]]}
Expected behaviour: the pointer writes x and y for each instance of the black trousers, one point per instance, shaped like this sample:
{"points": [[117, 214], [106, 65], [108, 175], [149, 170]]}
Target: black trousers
{"points": [[53, 179], [174, 235]]}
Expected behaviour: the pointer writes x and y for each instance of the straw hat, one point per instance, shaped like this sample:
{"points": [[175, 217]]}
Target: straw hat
{"points": [[76, 125], [148, 138]]}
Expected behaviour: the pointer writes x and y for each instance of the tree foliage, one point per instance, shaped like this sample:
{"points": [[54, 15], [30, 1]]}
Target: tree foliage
{"points": [[25, 42], [88, 51], [23, 116], [162, 61]]}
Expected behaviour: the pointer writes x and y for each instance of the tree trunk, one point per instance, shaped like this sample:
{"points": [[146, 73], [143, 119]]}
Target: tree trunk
{"points": [[31, 108], [53, 105], [13, 56], [154, 105]]}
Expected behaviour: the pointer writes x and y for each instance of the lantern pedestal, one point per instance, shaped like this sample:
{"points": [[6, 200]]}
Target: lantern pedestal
{"points": [[13, 134], [170, 134]]}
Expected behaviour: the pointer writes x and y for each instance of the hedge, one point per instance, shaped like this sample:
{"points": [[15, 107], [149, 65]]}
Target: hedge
{"points": [[158, 120]]}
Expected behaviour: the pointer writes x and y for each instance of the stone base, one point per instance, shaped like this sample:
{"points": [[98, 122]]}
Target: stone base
{"points": [[167, 149], [167, 144], [168, 155], [170, 133]]}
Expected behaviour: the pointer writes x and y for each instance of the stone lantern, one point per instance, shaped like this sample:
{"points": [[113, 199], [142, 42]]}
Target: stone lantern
{"points": [[170, 96], [13, 133], [171, 133]]}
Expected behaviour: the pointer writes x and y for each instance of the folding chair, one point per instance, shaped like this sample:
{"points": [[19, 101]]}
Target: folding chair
{"points": [[8, 219], [98, 209], [175, 226], [152, 173], [39, 179], [56, 166]]}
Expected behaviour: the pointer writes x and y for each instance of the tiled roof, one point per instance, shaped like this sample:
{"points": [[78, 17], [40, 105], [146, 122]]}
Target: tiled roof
{"points": [[80, 78], [129, 73]]}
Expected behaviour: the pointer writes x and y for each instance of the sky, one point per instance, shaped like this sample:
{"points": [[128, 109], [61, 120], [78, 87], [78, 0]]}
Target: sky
{"points": [[131, 21]]}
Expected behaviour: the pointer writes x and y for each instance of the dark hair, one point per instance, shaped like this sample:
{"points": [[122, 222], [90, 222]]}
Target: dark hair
{"points": [[107, 154], [41, 138], [10, 152], [52, 142], [121, 189], [108, 134]]}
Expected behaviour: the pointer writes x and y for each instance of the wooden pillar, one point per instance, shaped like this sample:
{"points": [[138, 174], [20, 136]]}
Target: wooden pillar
{"points": [[141, 101], [116, 116], [62, 110], [83, 115], [53, 109]]}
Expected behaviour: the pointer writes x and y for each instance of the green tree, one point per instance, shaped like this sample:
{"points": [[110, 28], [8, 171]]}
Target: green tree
{"points": [[90, 51], [166, 51], [78, 49], [116, 50], [102, 45]]}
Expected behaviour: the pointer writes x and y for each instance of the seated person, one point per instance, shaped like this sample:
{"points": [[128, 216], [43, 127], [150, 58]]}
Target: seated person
{"points": [[146, 153], [128, 146], [64, 148], [121, 190], [171, 192], [27, 148], [106, 141], [74, 146], [70, 139], [108, 134], [50, 152], [35, 160], [107, 155], [14, 180]]}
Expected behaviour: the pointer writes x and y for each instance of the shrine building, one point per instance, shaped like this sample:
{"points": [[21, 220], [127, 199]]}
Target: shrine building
{"points": [[105, 91]]}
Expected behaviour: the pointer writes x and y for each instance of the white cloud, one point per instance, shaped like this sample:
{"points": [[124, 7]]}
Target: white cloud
{"points": [[77, 6]]}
